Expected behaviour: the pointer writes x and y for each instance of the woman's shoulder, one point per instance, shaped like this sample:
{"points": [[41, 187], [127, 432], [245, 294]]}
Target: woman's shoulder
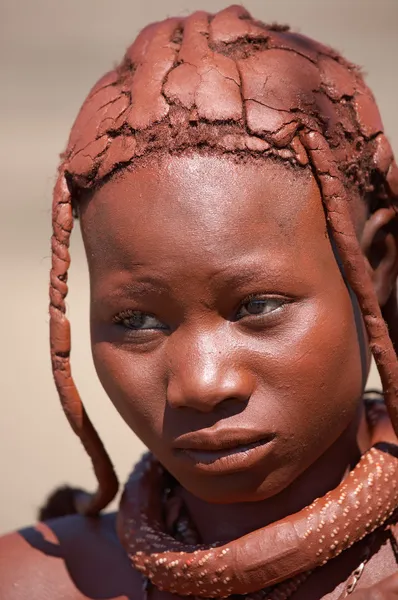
{"points": [[71, 557]]}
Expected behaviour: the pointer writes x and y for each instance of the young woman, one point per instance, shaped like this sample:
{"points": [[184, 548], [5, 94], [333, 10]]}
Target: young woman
{"points": [[238, 204]]}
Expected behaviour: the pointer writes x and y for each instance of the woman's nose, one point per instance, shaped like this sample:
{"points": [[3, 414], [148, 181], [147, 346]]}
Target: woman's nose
{"points": [[205, 377]]}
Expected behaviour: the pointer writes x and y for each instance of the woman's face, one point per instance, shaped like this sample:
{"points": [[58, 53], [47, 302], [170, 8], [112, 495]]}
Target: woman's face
{"points": [[222, 329]]}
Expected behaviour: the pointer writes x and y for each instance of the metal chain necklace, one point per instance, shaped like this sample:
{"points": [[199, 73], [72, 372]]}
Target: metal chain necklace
{"points": [[355, 576]]}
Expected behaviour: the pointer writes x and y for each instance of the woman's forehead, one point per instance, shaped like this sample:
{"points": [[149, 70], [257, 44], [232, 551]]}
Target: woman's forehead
{"points": [[204, 192], [204, 209]]}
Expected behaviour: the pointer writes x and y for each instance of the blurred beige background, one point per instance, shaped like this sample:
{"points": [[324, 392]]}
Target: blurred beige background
{"points": [[52, 51]]}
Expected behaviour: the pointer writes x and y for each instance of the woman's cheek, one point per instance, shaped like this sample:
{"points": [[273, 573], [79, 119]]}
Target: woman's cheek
{"points": [[315, 371], [133, 385]]}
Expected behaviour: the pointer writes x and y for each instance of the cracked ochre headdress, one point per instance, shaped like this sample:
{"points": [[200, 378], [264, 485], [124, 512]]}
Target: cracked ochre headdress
{"points": [[228, 84]]}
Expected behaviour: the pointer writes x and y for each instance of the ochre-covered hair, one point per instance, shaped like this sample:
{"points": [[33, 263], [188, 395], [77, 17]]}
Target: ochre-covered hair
{"points": [[228, 84]]}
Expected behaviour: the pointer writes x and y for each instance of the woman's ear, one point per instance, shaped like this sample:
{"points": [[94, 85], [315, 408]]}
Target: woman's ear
{"points": [[379, 243]]}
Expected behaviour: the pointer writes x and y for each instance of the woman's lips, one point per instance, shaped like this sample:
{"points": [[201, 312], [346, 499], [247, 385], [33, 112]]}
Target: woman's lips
{"points": [[230, 456]]}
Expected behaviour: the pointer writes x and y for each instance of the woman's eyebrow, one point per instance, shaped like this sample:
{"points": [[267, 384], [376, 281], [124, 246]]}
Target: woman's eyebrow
{"points": [[249, 269], [114, 286]]}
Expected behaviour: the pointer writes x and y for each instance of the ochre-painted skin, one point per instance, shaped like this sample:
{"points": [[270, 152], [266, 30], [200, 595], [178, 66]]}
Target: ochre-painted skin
{"points": [[190, 240], [212, 370]]}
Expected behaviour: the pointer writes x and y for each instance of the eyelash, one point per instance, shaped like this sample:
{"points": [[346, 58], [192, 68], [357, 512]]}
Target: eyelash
{"points": [[128, 314], [282, 300]]}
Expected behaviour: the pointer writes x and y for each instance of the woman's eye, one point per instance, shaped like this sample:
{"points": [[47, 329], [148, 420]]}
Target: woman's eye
{"points": [[138, 321], [258, 306]]}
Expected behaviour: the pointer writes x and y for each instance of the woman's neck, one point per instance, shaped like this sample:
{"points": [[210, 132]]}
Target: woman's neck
{"points": [[225, 522]]}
